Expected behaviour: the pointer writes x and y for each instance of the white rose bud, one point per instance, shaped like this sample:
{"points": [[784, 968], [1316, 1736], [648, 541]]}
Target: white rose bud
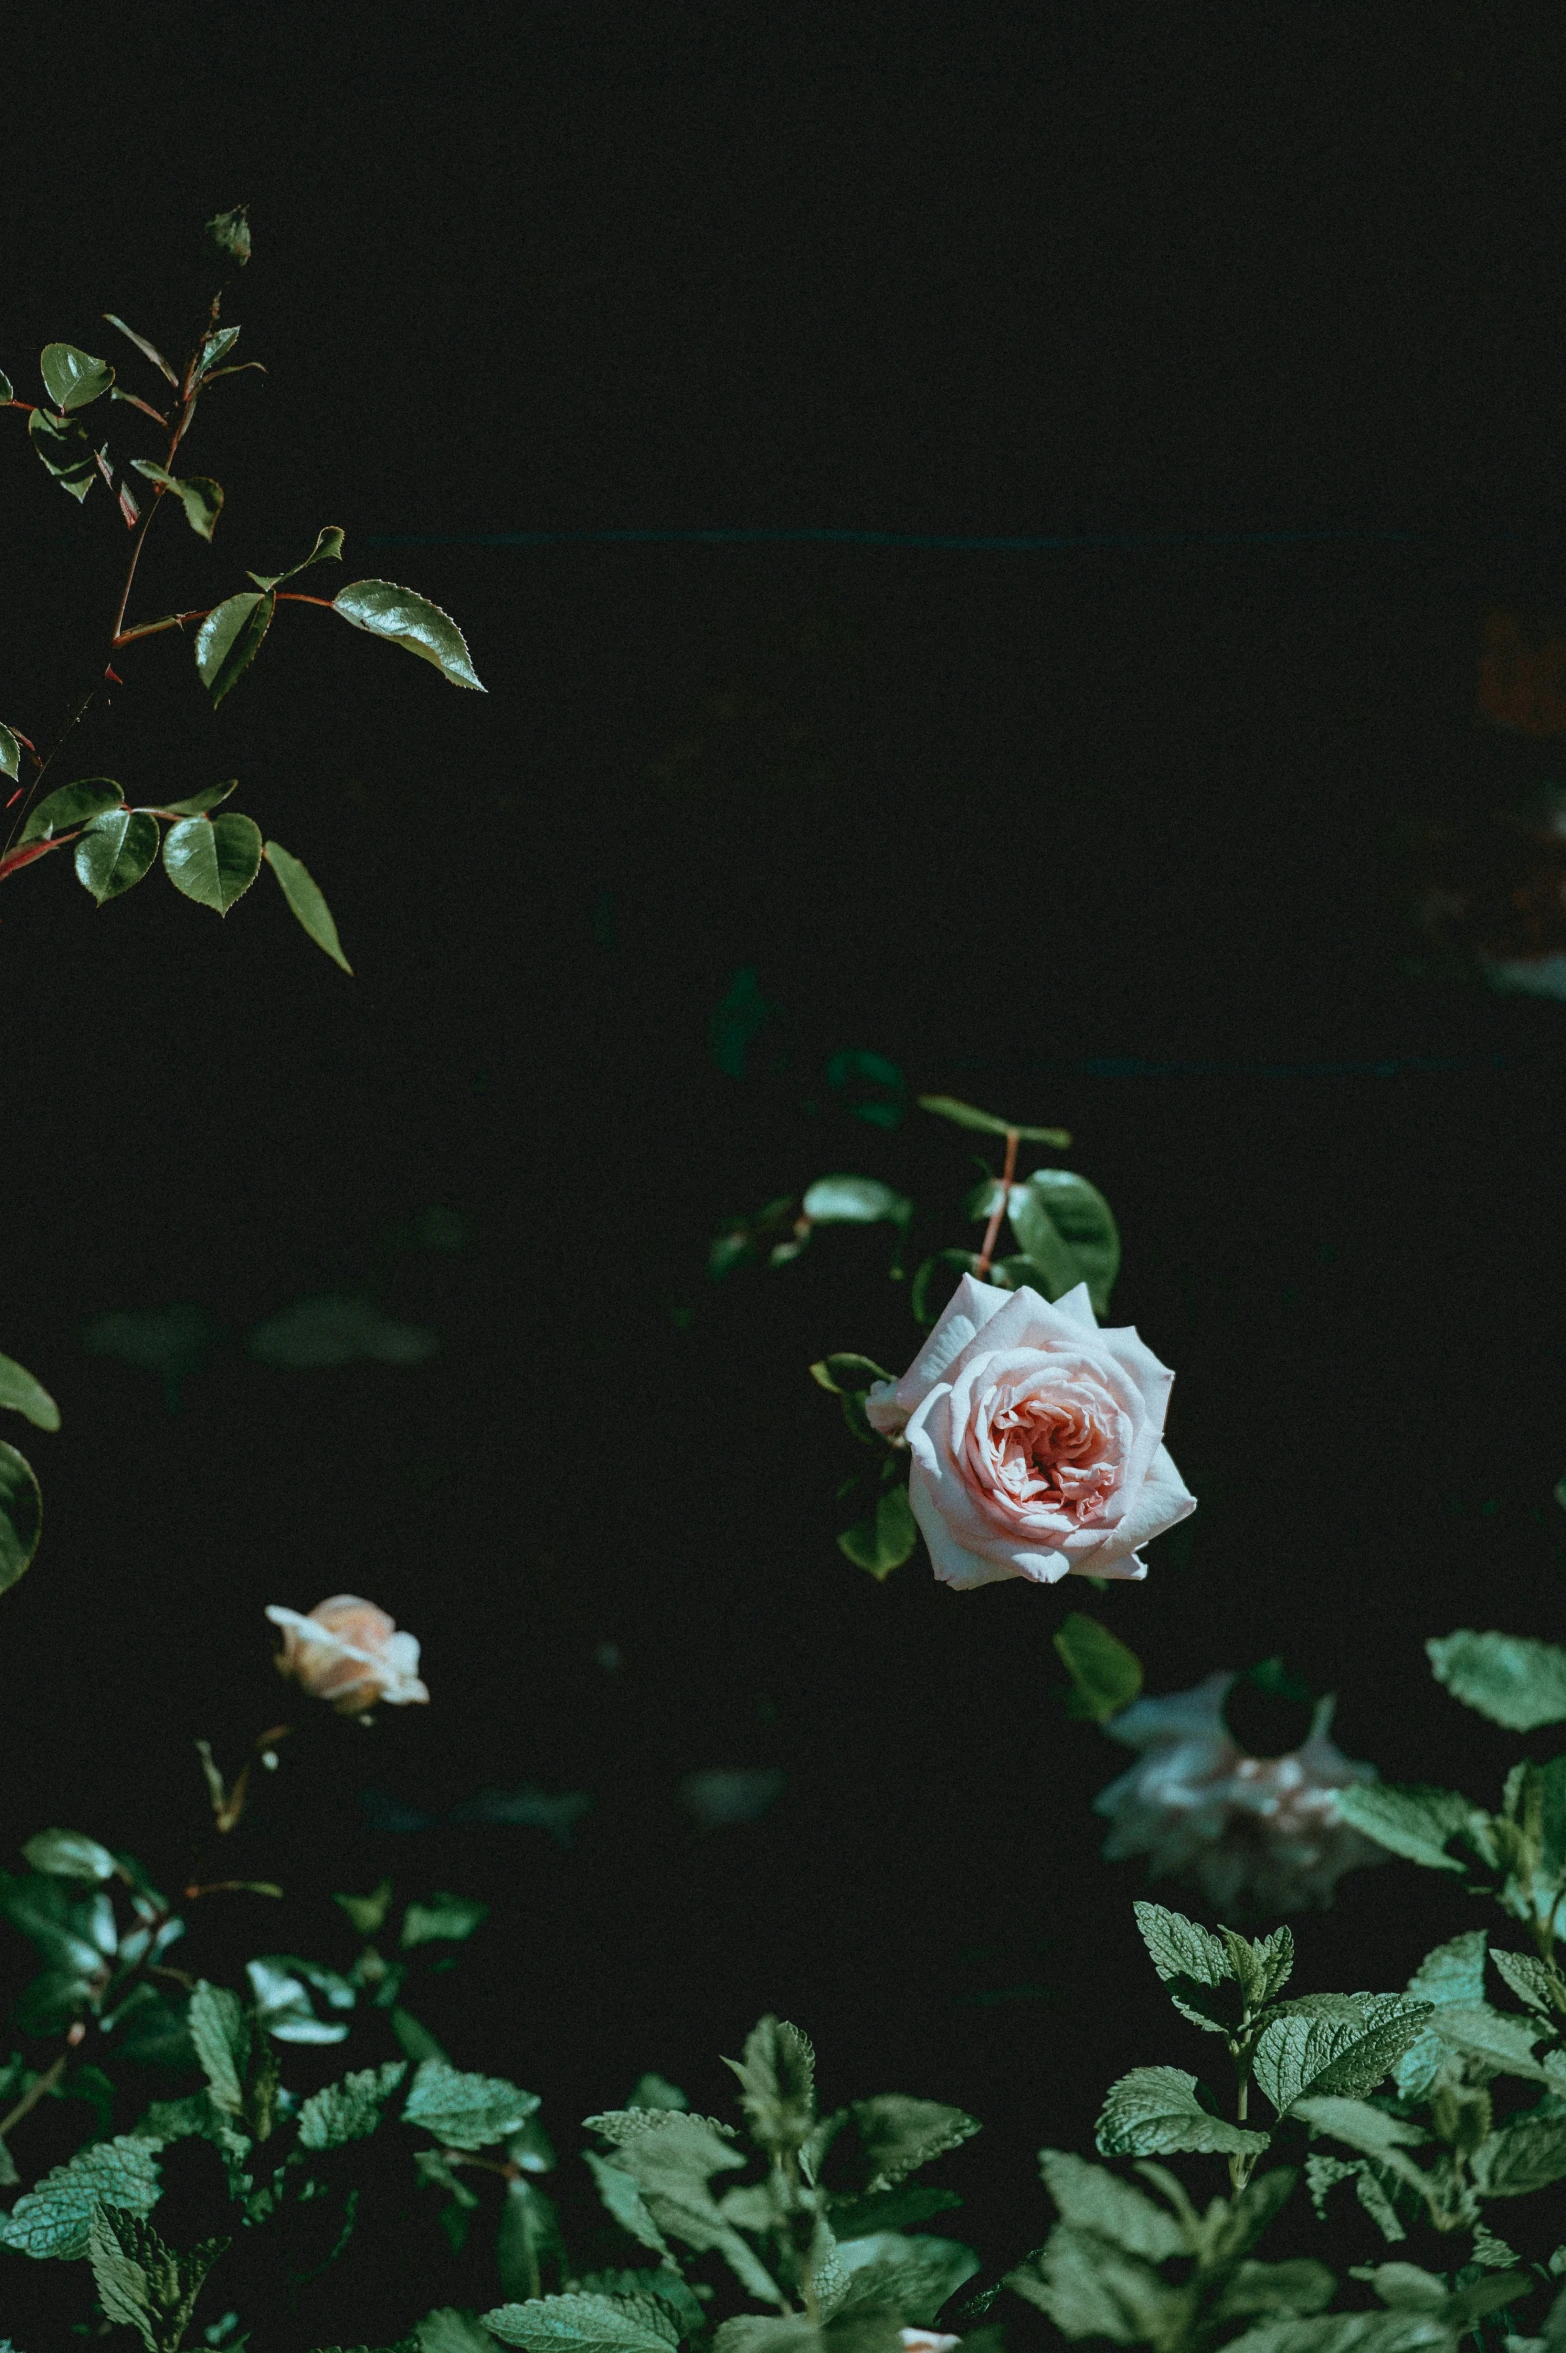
{"points": [[349, 1652]]}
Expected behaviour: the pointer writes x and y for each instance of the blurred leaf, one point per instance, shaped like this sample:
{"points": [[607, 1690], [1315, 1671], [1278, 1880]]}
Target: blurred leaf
{"points": [[624, 2203], [115, 851], [1105, 1675], [220, 2032], [368, 1912], [410, 621], [908, 2278], [7, 388], [229, 640], [21, 1515], [671, 2156], [71, 804], [317, 1333], [465, 2111], [950, 1264], [282, 1998], [1508, 1677], [65, 450], [55, 2217], [22, 1394], [451, 2331], [777, 2085], [1527, 2154], [147, 350], [169, 1341], [848, 1375], [1413, 1822], [68, 1854], [304, 897], [1056, 1207], [879, 2142], [985, 1123], [445, 1917], [870, 1087], [1089, 2197], [227, 236], [721, 1798], [885, 1538], [854, 1200], [213, 860], [328, 549], [198, 494], [528, 2230], [1154, 2111], [73, 378], [656, 2091], [586, 2324]]}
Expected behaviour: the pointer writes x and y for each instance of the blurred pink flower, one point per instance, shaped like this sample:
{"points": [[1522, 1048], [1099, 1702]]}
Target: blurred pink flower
{"points": [[925, 2340], [349, 1652], [1262, 1830]]}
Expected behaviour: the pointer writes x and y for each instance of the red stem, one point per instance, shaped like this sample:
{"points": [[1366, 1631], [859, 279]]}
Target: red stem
{"points": [[992, 1230]]}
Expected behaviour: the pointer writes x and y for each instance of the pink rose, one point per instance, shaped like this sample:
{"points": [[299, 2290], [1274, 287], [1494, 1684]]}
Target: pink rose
{"points": [[1037, 1440], [925, 2340], [349, 1652]]}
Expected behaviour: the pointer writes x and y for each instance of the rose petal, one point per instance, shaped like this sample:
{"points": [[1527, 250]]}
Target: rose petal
{"points": [[951, 1563], [970, 1307]]}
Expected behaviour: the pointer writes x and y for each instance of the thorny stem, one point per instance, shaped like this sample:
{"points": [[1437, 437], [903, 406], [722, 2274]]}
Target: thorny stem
{"points": [[992, 1230]]}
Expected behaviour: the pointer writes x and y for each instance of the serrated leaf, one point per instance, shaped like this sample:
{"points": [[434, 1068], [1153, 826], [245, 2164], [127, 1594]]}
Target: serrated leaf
{"points": [[624, 2202], [1154, 2111], [1527, 2154], [304, 896], [465, 2111], [1497, 2042], [777, 2085], [1091, 2288], [229, 640], [70, 804], [68, 1854], [147, 350], [349, 2110], [1413, 1822], [897, 2135], [328, 549], [72, 377], [410, 621], [1263, 1965], [115, 851], [141, 2281], [22, 1394], [21, 1515], [213, 860], [671, 2157], [1193, 1964], [909, 2278], [586, 2324], [1510, 1678], [1538, 1983], [54, 2219], [221, 2034], [1089, 2197], [65, 452], [885, 1537], [899, 2209], [10, 754], [1299, 2056], [1105, 1674], [985, 1123]]}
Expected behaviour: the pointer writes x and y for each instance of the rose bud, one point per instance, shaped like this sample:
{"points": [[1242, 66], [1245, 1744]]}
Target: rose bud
{"points": [[1037, 1440], [349, 1652], [1258, 1830]]}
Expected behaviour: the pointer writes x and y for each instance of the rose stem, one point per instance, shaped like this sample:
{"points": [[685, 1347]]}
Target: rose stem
{"points": [[993, 1228]]}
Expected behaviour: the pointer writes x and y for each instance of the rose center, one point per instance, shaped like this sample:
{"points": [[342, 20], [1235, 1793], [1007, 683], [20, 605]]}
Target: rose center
{"points": [[1051, 1452]]}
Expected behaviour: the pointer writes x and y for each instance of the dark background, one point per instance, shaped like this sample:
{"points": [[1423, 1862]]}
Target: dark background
{"points": [[1108, 835]]}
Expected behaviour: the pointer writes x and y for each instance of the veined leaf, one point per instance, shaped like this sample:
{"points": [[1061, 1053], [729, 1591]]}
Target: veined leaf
{"points": [[199, 804], [465, 2111], [1303, 2055], [1527, 2154], [55, 2217], [71, 804], [1194, 1965], [213, 860], [21, 1515], [1155, 2110], [1510, 1678], [328, 549], [73, 378], [198, 494], [1077, 1215], [778, 2085], [115, 851], [229, 640], [1416, 1823], [985, 1122], [411, 621], [25, 1396], [221, 2034], [303, 894], [65, 452], [349, 2110], [1091, 2288], [586, 2324]]}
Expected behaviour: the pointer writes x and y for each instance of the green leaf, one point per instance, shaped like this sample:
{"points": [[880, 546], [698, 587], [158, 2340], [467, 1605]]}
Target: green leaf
{"points": [[71, 804], [883, 1540], [229, 640], [1508, 1677], [10, 754], [1155, 2110], [216, 347], [451, 2331], [1090, 2288], [67, 1854], [328, 549], [625, 2203], [899, 2209], [465, 2111], [1538, 1983], [349, 2110], [367, 1912], [854, 1200], [892, 2136], [847, 1375], [777, 2086], [586, 2324], [927, 1277], [1263, 1965], [141, 2281], [411, 621], [221, 2034], [73, 378], [1300, 2055], [7, 388], [1105, 1675], [213, 860], [304, 897], [198, 494], [1349, 2332], [1413, 1822], [65, 451], [1378, 2136], [445, 1918], [910, 2278], [147, 350], [1300, 2285], [23, 1395], [1496, 2042], [21, 1515], [985, 1123], [55, 2217], [1091, 2198], [199, 804], [227, 236], [115, 851], [1193, 1964], [1453, 1973], [671, 2156], [1056, 1207], [1527, 2154]]}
